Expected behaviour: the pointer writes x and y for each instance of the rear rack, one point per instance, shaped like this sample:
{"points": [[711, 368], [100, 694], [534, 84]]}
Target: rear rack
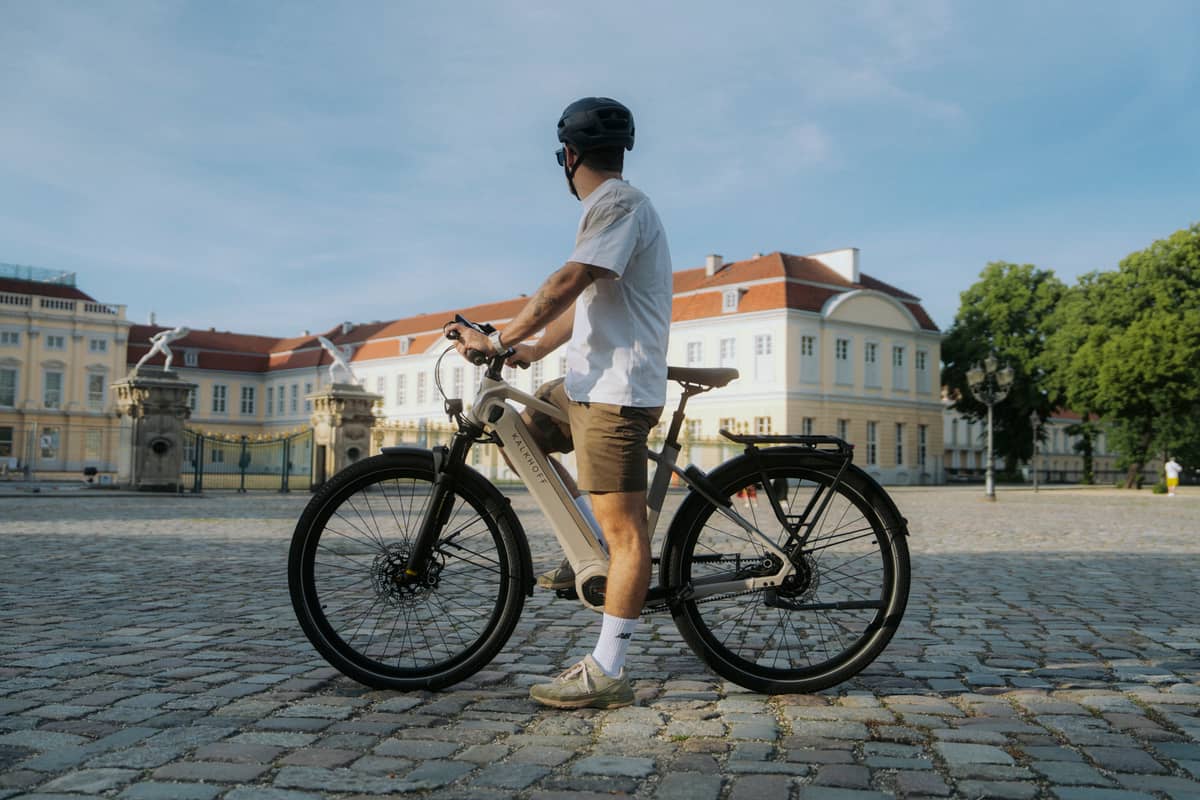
{"points": [[824, 444]]}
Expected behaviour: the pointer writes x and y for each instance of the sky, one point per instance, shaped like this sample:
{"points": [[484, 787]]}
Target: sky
{"points": [[269, 167]]}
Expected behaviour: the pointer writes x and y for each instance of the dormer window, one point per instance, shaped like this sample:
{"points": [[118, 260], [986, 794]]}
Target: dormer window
{"points": [[191, 358], [729, 300], [405, 343]]}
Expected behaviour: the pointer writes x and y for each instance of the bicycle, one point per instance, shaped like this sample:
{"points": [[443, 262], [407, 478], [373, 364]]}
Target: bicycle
{"points": [[409, 569]]}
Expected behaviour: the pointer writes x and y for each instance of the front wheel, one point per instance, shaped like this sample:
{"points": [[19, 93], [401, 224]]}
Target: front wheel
{"points": [[833, 616], [381, 625]]}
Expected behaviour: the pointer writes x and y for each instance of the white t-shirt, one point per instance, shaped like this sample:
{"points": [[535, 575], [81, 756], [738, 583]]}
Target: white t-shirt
{"points": [[1173, 469], [618, 348]]}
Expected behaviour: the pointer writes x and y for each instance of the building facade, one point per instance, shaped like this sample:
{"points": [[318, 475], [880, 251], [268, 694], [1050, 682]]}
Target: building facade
{"points": [[60, 350], [820, 348]]}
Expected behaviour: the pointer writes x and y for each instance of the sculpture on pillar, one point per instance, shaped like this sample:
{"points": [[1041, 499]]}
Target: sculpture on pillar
{"points": [[159, 344], [339, 362]]}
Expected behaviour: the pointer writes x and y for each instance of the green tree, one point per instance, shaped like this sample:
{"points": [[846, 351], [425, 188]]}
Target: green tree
{"points": [[1005, 312], [1124, 346]]}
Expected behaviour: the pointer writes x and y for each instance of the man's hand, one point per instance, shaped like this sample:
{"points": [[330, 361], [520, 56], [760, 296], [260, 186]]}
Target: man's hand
{"points": [[524, 355], [467, 339]]}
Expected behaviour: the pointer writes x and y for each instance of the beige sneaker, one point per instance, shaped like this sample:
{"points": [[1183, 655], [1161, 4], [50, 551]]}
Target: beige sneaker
{"points": [[584, 686], [561, 578]]}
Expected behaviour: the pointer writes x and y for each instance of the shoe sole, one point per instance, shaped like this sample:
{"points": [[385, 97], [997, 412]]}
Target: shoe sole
{"points": [[594, 702], [548, 584]]}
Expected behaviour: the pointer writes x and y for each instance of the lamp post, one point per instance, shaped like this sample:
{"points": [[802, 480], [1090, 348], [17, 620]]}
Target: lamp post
{"points": [[990, 384], [1035, 422]]}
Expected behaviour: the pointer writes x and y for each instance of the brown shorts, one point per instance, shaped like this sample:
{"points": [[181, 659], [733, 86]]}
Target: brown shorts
{"points": [[611, 439]]}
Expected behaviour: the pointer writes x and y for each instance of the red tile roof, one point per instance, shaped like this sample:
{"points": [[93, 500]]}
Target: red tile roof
{"points": [[778, 280], [17, 286]]}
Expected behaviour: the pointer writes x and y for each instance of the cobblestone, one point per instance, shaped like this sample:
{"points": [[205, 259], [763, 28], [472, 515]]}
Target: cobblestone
{"points": [[1049, 650]]}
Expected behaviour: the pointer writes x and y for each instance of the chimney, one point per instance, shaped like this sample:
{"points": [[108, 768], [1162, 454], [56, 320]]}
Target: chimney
{"points": [[712, 264], [347, 327], [153, 319], [844, 262]]}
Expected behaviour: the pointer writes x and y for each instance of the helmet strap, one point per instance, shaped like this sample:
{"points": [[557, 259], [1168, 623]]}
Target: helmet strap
{"points": [[570, 173]]}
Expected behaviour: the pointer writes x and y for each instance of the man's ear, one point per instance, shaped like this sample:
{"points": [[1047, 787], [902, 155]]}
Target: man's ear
{"points": [[572, 156]]}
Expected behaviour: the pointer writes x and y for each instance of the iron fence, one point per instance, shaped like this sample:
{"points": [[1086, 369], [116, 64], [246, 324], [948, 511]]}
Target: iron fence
{"points": [[244, 464]]}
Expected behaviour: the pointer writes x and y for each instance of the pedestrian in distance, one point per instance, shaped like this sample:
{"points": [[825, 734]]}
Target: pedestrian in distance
{"points": [[1172, 469], [611, 305]]}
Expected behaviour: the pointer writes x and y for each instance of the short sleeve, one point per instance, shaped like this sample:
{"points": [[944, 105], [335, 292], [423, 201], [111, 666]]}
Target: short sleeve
{"points": [[608, 237]]}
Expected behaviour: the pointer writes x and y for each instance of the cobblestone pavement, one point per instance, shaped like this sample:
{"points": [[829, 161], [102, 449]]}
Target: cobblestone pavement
{"points": [[1051, 649]]}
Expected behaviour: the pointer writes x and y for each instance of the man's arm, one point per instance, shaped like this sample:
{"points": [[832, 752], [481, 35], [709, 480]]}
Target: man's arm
{"points": [[553, 298]]}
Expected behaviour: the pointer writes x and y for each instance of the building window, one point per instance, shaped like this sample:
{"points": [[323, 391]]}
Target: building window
{"points": [[922, 444], [270, 408], [729, 300], [10, 338], [405, 343], [6, 441], [307, 402], [56, 343], [843, 430], [247, 401], [921, 360], [421, 388], [899, 443], [95, 392], [280, 400], [92, 440], [8, 387], [872, 443], [727, 424], [98, 345], [809, 369], [220, 395], [562, 367], [807, 426], [694, 353], [764, 362], [693, 429], [401, 385], [49, 442], [844, 372], [728, 352], [380, 388], [192, 394], [762, 425], [871, 357], [457, 383], [953, 431], [899, 373], [191, 358], [53, 388]]}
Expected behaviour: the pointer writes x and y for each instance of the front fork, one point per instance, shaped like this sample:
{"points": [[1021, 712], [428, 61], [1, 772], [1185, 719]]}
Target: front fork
{"points": [[446, 462]]}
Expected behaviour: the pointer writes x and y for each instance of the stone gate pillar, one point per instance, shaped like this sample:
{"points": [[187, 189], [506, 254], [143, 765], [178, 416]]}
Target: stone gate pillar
{"points": [[342, 420], [153, 403]]}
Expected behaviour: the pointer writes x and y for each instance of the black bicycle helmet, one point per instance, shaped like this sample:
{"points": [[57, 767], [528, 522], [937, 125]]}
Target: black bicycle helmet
{"points": [[596, 122]]}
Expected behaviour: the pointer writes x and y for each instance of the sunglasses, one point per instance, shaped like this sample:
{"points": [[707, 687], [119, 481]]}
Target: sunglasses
{"points": [[561, 155]]}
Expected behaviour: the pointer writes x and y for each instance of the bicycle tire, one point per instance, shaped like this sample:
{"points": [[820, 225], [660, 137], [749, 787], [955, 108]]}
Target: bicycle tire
{"points": [[743, 637], [353, 536]]}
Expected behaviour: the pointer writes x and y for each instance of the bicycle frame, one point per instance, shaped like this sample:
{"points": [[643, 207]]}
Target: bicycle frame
{"points": [[492, 412]]}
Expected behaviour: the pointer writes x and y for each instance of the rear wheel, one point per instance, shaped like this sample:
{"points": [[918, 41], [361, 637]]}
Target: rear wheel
{"points": [[367, 616], [827, 621]]}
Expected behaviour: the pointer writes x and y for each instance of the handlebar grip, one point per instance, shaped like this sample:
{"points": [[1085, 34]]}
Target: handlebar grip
{"points": [[476, 357]]}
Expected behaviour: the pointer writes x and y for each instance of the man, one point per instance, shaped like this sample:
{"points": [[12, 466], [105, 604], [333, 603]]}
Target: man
{"points": [[1172, 468], [619, 282]]}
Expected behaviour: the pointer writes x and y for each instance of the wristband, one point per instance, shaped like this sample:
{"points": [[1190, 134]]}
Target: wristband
{"points": [[497, 346]]}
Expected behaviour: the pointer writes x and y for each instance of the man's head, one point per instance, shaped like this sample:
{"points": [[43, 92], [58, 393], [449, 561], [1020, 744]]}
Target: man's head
{"points": [[595, 131]]}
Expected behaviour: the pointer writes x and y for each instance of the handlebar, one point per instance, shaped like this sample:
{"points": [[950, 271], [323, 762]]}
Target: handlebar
{"points": [[478, 357]]}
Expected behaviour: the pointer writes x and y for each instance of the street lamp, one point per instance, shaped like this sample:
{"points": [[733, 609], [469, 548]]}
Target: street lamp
{"points": [[1035, 422], [990, 385]]}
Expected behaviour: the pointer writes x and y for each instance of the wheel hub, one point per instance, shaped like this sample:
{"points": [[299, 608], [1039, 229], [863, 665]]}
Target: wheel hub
{"points": [[395, 585]]}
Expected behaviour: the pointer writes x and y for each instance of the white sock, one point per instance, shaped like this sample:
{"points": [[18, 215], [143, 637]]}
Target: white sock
{"points": [[585, 508], [615, 633]]}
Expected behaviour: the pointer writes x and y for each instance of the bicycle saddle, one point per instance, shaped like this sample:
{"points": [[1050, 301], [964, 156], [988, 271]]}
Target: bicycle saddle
{"points": [[713, 377]]}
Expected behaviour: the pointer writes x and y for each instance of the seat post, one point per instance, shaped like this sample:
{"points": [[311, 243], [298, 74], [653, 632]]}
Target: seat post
{"points": [[677, 417]]}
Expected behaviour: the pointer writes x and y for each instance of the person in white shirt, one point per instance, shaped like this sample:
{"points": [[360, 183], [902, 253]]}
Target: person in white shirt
{"points": [[1172, 469], [618, 281]]}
